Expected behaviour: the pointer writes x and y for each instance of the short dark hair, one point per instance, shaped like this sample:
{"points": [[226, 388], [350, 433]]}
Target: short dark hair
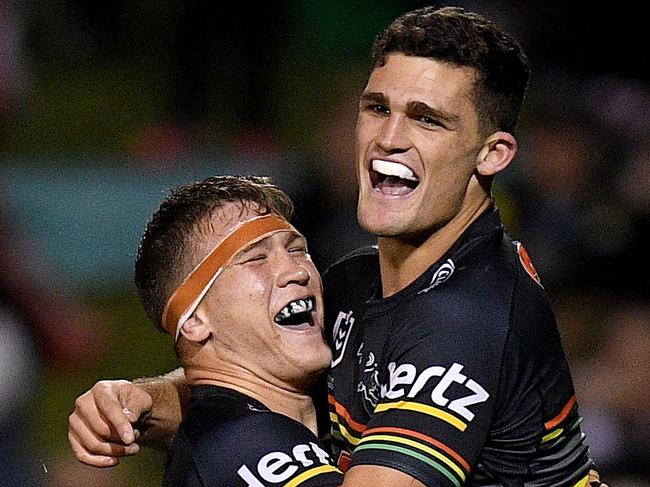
{"points": [[466, 39], [169, 245]]}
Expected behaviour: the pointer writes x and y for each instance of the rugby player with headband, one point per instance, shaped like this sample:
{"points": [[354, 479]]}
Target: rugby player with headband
{"points": [[247, 322]]}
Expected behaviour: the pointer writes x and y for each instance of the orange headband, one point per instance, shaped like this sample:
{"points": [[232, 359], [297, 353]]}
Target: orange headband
{"points": [[187, 296]]}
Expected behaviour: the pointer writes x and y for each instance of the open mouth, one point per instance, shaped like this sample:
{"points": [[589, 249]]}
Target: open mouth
{"points": [[297, 314], [392, 178]]}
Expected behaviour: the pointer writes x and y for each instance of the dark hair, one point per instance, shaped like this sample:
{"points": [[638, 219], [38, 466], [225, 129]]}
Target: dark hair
{"points": [[169, 245], [466, 39]]}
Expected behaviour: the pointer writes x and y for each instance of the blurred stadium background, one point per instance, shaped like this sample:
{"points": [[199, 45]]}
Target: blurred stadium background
{"points": [[106, 105]]}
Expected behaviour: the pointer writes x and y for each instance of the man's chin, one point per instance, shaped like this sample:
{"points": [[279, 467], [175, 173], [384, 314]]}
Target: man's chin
{"points": [[379, 225]]}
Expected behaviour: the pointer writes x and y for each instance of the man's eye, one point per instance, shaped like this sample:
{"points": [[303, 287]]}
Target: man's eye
{"points": [[426, 119], [253, 258], [298, 249], [381, 109], [378, 108]]}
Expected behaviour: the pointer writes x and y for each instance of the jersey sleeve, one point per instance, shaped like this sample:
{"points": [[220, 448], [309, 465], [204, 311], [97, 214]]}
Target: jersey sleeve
{"points": [[262, 450]]}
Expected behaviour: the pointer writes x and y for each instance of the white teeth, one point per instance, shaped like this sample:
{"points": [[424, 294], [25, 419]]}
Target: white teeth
{"points": [[295, 307], [388, 168]]}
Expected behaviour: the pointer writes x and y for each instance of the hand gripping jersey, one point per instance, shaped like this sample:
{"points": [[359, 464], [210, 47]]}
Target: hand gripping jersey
{"points": [[459, 379], [228, 439]]}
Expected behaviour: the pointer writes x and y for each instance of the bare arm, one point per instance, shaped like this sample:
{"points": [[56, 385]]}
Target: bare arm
{"points": [[378, 476], [170, 396], [111, 418]]}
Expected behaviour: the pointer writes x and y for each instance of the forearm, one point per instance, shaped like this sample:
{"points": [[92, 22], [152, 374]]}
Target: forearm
{"points": [[170, 395]]}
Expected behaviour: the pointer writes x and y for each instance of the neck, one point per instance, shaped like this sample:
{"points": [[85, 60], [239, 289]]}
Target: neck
{"points": [[278, 397], [402, 261]]}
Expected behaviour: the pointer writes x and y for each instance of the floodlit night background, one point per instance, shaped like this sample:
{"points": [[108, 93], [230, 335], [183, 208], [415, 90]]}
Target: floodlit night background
{"points": [[104, 106]]}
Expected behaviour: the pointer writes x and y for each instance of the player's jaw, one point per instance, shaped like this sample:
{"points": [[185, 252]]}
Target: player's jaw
{"points": [[296, 313], [299, 343]]}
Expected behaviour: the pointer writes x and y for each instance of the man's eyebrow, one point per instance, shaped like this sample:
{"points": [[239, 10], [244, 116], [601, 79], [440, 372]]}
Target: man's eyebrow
{"points": [[422, 108], [414, 106], [254, 245], [296, 236], [261, 243], [377, 97]]}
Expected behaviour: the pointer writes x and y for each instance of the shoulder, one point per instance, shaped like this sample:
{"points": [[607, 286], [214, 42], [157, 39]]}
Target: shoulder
{"points": [[478, 297], [473, 286], [532, 317], [353, 279], [229, 441], [219, 421], [350, 265], [213, 407]]}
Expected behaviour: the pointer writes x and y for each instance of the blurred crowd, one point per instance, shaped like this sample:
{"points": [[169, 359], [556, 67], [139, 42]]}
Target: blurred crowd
{"points": [[149, 84]]}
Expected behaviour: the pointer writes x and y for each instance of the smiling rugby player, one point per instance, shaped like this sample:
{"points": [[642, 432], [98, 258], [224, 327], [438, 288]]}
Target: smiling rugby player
{"points": [[223, 271]]}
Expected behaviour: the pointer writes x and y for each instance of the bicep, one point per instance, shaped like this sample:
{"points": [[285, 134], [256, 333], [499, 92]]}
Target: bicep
{"points": [[378, 476]]}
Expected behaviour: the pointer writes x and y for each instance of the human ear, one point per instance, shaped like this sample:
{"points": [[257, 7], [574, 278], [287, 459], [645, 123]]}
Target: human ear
{"points": [[496, 154], [196, 328]]}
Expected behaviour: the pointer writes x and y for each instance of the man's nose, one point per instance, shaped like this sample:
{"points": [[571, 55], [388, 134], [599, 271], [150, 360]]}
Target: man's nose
{"points": [[392, 136], [292, 271]]}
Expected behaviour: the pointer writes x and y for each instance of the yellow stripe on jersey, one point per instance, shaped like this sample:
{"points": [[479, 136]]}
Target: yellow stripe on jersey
{"points": [[299, 479], [424, 409], [353, 440], [552, 434]]}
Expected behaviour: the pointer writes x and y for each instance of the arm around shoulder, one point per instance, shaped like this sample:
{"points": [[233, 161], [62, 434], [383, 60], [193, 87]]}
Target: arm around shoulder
{"points": [[170, 397], [112, 418]]}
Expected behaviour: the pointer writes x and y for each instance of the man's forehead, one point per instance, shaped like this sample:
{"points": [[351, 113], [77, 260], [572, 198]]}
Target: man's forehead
{"points": [[224, 219], [403, 75]]}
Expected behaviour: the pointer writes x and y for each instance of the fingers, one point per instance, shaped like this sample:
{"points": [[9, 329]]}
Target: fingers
{"points": [[93, 449], [594, 479], [119, 404], [85, 456], [100, 427]]}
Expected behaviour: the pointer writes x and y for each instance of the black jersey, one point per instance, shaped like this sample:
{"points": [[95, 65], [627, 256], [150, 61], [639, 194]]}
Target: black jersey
{"points": [[461, 377], [229, 439]]}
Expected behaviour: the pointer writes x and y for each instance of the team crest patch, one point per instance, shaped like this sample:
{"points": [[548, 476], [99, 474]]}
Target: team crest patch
{"points": [[443, 273], [527, 264], [368, 387], [340, 335]]}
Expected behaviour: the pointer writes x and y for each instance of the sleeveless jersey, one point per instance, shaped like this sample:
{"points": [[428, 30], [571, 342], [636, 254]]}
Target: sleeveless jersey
{"points": [[458, 379], [228, 439]]}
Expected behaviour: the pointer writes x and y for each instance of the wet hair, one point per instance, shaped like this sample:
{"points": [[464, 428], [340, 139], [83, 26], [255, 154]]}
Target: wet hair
{"points": [[465, 39], [172, 243]]}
